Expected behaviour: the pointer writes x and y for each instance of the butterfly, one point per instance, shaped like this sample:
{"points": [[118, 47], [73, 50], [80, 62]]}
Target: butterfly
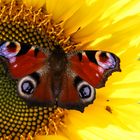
{"points": [[67, 80]]}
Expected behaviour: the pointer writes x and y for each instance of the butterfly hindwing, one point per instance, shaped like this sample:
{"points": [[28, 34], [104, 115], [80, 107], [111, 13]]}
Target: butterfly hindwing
{"points": [[35, 89], [94, 66], [76, 93], [26, 63]]}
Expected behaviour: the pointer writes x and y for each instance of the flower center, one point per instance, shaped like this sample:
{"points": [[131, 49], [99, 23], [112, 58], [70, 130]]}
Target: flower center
{"points": [[35, 27]]}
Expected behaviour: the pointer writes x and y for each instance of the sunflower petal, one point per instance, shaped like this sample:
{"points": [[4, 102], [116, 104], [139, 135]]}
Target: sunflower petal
{"points": [[51, 137], [86, 14], [111, 26], [62, 9], [34, 3]]}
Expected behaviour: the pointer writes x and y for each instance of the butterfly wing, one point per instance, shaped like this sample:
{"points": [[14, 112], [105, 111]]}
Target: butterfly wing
{"points": [[94, 66], [35, 88], [28, 64], [76, 93], [23, 59], [87, 70]]}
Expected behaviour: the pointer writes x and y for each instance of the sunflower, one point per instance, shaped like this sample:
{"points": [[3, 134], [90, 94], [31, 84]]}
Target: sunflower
{"points": [[111, 25]]}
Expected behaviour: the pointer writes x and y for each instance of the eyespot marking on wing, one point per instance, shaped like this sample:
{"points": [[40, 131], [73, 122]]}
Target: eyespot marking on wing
{"points": [[9, 49], [85, 90], [27, 85], [105, 59]]}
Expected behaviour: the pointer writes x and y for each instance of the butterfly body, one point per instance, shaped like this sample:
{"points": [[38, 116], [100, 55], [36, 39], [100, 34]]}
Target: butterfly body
{"points": [[57, 78], [57, 66]]}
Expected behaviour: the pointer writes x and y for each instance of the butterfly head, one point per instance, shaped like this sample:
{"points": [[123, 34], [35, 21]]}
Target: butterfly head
{"points": [[57, 60]]}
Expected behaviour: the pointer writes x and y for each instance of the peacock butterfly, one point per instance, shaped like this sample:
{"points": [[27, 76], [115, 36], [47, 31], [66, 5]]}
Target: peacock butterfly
{"points": [[67, 80]]}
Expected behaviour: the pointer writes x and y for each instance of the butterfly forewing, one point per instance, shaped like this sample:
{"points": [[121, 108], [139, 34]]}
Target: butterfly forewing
{"points": [[22, 58], [94, 66]]}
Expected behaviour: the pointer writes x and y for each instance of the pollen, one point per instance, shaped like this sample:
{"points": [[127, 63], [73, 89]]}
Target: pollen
{"points": [[35, 27]]}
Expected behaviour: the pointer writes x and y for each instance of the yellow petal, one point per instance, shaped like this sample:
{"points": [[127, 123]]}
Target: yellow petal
{"points": [[62, 9], [51, 137], [86, 14], [34, 3], [100, 27], [108, 133]]}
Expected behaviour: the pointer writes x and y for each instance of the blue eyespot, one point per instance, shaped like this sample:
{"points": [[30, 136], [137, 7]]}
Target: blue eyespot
{"points": [[86, 91], [26, 87], [9, 49], [105, 60]]}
